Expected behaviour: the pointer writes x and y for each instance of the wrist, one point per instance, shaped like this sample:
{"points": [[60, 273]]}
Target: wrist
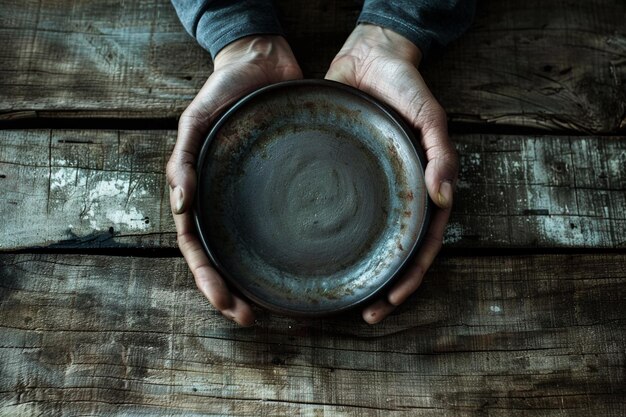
{"points": [[256, 49], [372, 40]]}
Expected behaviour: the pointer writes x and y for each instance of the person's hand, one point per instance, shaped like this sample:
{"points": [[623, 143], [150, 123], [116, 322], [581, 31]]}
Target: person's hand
{"points": [[239, 68], [384, 64]]}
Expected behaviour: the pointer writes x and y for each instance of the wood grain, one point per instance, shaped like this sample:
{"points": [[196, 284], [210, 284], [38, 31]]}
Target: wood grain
{"points": [[90, 189], [557, 64], [497, 336], [108, 58], [540, 191], [85, 189]]}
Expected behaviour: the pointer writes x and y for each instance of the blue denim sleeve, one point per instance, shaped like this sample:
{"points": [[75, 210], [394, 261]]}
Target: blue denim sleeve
{"points": [[216, 23], [427, 23]]}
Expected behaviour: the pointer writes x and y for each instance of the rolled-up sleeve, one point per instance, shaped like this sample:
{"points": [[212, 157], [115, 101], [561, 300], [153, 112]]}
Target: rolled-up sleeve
{"points": [[427, 23], [216, 23]]}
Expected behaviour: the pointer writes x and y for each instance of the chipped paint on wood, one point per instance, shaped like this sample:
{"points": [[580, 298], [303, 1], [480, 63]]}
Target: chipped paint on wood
{"points": [[99, 200], [90, 188], [540, 190]]}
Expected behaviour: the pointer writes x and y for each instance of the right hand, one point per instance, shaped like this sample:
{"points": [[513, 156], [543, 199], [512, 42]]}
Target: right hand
{"points": [[384, 64], [241, 67]]}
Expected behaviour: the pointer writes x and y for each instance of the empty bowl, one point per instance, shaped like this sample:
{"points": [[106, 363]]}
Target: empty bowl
{"points": [[311, 197]]}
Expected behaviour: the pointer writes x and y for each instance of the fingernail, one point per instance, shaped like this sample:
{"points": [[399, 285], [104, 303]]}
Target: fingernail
{"points": [[178, 198], [445, 194]]}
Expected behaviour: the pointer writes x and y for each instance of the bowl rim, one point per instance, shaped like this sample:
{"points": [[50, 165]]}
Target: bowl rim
{"points": [[233, 283]]}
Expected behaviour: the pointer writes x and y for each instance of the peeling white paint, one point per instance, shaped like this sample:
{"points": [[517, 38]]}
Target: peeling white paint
{"points": [[108, 188], [105, 202], [93, 224], [535, 158], [61, 178], [558, 228], [132, 218]]}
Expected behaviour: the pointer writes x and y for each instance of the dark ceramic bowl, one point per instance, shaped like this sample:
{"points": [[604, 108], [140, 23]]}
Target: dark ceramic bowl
{"points": [[311, 197]]}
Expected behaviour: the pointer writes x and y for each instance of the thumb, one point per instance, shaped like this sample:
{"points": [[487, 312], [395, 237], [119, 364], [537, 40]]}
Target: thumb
{"points": [[193, 126], [181, 173], [443, 162]]}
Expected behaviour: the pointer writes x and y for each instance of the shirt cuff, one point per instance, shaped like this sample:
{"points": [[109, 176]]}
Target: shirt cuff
{"points": [[426, 23], [216, 23], [419, 38]]}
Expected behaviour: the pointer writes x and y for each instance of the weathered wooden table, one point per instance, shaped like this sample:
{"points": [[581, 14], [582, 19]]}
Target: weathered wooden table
{"points": [[522, 314]]}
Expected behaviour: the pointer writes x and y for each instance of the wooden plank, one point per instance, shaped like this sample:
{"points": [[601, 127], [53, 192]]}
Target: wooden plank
{"points": [[107, 58], [556, 64], [497, 336], [77, 189], [85, 189], [540, 191]]}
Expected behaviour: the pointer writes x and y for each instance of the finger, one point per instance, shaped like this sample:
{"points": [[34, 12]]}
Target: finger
{"points": [[429, 249], [240, 312], [410, 97], [377, 312], [407, 285], [428, 117], [207, 278]]}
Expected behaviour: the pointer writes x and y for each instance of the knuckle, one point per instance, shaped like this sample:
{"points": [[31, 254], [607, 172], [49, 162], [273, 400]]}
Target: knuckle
{"points": [[435, 116], [185, 241], [428, 113], [180, 160], [438, 110], [187, 118], [451, 157], [170, 170]]}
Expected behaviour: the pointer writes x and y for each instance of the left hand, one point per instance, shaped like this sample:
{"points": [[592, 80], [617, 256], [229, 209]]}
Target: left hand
{"points": [[384, 64], [239, 68]]}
